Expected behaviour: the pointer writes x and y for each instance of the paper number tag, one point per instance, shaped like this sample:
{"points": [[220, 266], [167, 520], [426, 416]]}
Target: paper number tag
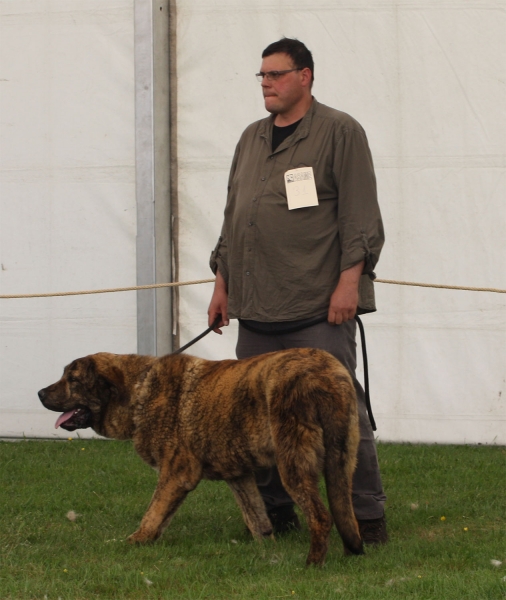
{"points": [[300, 188]]}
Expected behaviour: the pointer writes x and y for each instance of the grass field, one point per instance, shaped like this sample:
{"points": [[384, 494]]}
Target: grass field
{"points": [[446, 517]]}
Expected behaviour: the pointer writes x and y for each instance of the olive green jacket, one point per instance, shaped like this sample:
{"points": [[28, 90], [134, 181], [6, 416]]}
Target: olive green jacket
{"points": [[283, 265]]}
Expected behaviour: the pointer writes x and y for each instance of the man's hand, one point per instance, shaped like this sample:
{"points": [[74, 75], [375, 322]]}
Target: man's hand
{"points": [[219, 303], [344, 300]]}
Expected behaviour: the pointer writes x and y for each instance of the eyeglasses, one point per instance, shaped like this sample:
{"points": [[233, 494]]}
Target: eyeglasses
{"points": [[274, 75]]}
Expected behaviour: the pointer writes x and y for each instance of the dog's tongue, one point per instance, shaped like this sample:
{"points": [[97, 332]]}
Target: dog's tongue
{"points": [[64, 417]]}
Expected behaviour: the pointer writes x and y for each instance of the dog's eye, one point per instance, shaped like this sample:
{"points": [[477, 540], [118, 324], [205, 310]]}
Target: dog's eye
{"points": [[71, 379]]}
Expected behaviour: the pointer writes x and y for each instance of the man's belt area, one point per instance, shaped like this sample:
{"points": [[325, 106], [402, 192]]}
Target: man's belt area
{"points": [[281, 326]]}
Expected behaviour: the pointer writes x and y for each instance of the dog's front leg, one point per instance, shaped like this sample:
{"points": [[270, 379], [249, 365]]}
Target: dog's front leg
{"points": [[170, 492]]}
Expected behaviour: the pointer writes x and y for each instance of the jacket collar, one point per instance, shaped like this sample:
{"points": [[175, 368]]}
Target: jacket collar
{"points": [[302, 131]]}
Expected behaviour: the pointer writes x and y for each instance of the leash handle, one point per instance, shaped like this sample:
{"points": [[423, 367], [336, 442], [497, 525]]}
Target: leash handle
{"points": [[366, 373], [199, 337]]}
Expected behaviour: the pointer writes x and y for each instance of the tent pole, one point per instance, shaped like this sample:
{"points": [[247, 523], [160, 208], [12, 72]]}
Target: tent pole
{"points": [[152, 159]]}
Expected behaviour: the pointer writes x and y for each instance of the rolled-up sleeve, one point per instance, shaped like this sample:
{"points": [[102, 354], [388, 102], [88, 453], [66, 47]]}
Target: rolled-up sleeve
{"points": [[359, 219], [219, 258]]}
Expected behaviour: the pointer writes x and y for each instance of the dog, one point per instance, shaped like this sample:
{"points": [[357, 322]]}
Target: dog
{"points": [[194, 419]]}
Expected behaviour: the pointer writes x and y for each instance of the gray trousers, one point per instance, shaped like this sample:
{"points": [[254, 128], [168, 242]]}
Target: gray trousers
{"points": [[368, 495]]}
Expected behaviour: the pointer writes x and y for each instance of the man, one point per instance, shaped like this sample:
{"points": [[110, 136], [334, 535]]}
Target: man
{"points": [[301, 236]]}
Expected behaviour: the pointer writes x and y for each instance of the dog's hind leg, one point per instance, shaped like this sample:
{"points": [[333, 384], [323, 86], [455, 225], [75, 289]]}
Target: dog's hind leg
{"points": [[302, 485], [252, 506], [173, 487]]}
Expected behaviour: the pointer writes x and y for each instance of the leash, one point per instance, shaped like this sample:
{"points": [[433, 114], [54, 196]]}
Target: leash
{"points": [[199, 337], [366, 373], [313, 322]]}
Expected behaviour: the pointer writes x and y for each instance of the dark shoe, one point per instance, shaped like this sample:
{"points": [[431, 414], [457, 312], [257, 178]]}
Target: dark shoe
{"points": [[284, 519], [373, 531]]}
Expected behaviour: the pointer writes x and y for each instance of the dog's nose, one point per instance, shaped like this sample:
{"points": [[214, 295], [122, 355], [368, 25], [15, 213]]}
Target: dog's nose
{"points": [[42, 394]]}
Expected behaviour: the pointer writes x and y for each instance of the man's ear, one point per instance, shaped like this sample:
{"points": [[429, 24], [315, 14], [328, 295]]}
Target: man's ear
{"points": [[307, 77]]}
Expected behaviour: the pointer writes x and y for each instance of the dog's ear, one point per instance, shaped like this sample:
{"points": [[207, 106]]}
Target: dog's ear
{"points": [[90, 368], [113, 383]]}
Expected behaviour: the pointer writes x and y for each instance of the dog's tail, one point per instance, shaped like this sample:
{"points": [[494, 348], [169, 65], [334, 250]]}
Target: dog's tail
{"points": [[341, 438]]}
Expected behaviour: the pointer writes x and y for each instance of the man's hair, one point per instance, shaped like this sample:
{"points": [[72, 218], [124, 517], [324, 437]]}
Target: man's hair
{"points": [[297, 51]]}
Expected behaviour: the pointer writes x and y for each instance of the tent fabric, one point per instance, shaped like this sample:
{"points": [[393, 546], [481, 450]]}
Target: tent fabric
{"points": [[67, 195], [427, 82]]}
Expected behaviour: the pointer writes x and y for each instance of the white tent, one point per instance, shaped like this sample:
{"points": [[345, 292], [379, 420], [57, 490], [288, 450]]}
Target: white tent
{"points": [[67, 193], [427, 82]]}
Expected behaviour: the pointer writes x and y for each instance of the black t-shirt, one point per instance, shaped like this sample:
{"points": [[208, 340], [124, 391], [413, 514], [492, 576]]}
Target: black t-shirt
{"points": [[279, 134]]}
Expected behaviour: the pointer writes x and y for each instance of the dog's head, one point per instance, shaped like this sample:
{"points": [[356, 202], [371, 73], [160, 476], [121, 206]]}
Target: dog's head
{"points": [[85, 390]]}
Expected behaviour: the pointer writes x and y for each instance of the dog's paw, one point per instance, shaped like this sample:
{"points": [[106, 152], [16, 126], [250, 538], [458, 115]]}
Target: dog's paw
{"points": [[138, 537]]}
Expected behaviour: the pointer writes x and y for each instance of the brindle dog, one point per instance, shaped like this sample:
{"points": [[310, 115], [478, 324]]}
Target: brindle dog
{"points": [[196, 419]]}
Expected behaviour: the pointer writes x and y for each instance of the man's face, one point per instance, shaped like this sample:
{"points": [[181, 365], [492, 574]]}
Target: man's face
{"points": [[284, 94]]}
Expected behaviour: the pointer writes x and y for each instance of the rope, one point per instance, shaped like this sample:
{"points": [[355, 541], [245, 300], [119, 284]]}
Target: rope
{"points": [[442, 286], [151, 286], [197, 281]]}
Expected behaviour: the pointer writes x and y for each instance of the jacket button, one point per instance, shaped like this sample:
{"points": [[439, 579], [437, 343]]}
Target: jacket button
{"points": [[247, 272], [263, 178]]}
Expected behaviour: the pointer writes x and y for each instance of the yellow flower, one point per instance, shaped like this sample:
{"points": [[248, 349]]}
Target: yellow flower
{"points": [[69, 439], [466, 528], [65, 571], [443, 518]]}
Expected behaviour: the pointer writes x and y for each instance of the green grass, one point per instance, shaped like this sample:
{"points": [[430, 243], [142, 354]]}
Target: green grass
{"points": [[206, 552]]}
